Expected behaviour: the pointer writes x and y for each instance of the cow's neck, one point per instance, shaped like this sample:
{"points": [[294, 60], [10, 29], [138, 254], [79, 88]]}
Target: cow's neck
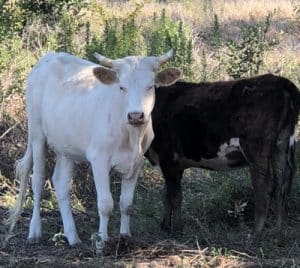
{"points": [[136, 135], [136, 144]]}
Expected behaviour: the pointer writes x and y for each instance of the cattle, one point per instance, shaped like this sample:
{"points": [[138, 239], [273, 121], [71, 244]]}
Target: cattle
{"points": [[87, 112], [224, 125]]}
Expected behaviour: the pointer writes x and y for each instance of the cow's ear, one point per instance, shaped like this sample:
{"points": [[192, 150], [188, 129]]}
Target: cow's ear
{"points": [[167, 77], [106, 76]]}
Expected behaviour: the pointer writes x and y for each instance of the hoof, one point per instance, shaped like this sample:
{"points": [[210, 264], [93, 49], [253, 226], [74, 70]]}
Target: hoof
{"points": [[33, 241], [73, 239], [125, 236], [165, 227], [98, 243], [177, 229], [75, 243], [252, 240]]}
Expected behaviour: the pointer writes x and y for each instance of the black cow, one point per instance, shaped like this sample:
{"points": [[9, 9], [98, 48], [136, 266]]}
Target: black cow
{"points": [[225, 125]]}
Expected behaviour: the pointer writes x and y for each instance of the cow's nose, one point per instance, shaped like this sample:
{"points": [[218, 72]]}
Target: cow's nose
{"points": [[135, 118]]}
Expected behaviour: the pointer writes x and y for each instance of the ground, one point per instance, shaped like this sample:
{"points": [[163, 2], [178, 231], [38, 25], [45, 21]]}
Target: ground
{"points": [[217, 215]]}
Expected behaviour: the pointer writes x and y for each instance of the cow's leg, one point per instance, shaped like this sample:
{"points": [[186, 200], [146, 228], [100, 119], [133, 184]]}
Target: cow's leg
{"points": [[37, 184], [172, 197], [62, 182], [284, 170], [126, 198], [263, 188], [258, 153], [104, 198]]}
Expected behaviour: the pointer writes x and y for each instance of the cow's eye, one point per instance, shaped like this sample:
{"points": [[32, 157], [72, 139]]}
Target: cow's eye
{"points": [[150, 88], [123, 89]]}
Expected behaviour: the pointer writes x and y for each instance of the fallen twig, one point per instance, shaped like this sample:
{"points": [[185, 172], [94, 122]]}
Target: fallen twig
{"points": [[8, 130]]}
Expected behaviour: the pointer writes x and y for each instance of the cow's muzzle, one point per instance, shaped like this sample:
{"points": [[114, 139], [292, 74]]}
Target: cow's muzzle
{"points": [[136, 118]]}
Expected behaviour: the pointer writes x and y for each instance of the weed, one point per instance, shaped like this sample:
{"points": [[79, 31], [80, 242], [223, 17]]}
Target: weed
{"points": [[246, 57], [216, 32], [165, 34]]}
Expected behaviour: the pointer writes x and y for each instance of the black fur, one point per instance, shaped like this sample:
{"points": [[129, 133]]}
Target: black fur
{"points": [[192, 121]]}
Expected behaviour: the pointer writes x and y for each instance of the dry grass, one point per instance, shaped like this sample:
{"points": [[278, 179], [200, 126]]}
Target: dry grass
{"points": [[258, 9], [282, 58], [199, 13]]}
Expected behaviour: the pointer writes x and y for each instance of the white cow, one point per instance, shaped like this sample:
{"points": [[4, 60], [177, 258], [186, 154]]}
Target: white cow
{"points": [[86, 112]]}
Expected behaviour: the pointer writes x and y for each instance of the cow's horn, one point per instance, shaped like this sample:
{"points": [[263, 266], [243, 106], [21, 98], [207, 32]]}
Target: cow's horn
{"points": [[165, 57], [103, 60]]}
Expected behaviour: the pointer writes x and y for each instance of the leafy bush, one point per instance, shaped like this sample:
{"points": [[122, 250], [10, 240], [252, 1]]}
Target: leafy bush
{"points": [[216, 32], [51, 11], [119, 38], [68, 27], [122, 37], [165, 34], [246, 56], [12, 20]]}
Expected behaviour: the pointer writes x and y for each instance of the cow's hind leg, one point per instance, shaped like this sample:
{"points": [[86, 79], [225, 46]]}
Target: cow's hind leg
{"points": [[172, 220], [284, 170], [37, 184], [61, 179], [263, 189], [259, 158]]}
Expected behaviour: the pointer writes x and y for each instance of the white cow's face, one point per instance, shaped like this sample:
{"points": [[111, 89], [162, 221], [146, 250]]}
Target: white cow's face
{"points": [[136, 78], [136, 82]]}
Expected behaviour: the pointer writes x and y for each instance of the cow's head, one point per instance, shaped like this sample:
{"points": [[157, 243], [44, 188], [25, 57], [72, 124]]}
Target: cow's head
{"points": [[136, 78]]}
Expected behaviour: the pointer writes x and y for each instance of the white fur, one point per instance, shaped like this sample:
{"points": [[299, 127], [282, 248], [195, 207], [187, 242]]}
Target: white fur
{"points": [[217, 163], [226, 148], [293, 138], [86, 120]]}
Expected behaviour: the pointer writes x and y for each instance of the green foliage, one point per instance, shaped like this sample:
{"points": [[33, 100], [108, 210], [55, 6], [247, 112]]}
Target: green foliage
{"points": [[69, 25], [120, 38], [165, 34], [216, 32], [30, 28], [203, 66], [51, 10], [12, 21], [245, 58]]}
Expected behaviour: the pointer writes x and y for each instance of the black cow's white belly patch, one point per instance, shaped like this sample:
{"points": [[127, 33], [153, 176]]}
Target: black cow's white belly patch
{"points": [[228, 156]]}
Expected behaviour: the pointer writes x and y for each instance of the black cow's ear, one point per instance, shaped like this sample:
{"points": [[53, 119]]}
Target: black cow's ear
{"points": [[106, 76], [167, 77]]}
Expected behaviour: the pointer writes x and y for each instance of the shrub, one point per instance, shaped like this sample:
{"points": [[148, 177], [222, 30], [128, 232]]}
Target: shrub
{"points": [[12, 20], [120, 37], [51, 11], [216, 32], [165, 34], [245, 58]]}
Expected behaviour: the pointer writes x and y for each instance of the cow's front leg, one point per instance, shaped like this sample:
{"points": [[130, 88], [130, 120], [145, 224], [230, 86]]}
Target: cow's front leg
{"points": [[172, 197], [126, 198], [105, 203]]}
